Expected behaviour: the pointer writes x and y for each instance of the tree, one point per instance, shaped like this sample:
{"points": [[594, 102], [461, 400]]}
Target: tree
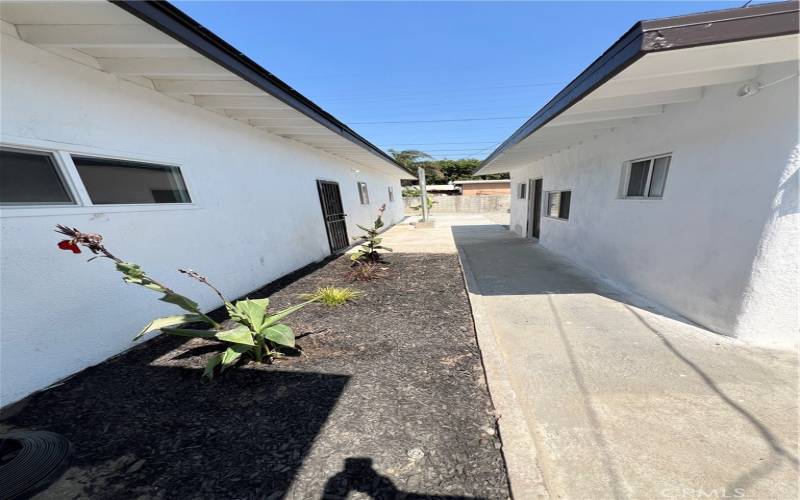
{"points": [[440, 171], [457, 170], [412, 159], [461, 170], [409, 158]]}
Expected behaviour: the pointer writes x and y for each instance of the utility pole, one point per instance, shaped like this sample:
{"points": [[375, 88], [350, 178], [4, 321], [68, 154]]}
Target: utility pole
{"points": [[423, 193]]}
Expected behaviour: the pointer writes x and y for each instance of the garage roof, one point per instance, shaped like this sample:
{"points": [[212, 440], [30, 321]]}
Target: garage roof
{"points": [[154, 44], [655, 64]]}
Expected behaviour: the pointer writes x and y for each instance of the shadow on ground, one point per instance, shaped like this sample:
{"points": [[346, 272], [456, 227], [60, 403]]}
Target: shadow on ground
{"points": [[394, 377], [554, 275], [585, 339], [777, 452], [359, 475], [159, 431]]}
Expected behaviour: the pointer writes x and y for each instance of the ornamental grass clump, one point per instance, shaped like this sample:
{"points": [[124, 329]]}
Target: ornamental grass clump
{"points": [[332, 296], [258, 336], [368, 251], [366, 271]]}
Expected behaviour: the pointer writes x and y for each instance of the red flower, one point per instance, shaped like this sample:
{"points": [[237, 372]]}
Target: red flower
{"points": [[69, 245]]}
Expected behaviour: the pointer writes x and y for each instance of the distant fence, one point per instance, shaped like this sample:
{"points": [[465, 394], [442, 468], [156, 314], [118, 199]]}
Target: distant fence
{"points": [[484, 203]]}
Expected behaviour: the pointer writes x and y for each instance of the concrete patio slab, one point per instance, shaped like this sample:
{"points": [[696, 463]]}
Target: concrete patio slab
{"points": [[623, 399]]}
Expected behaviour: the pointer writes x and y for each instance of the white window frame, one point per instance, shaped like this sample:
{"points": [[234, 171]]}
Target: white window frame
{"points": [[546, 201], [61, 172], [363, 194], [626, 177], [391, 194], [522, 191], [62, 155]]}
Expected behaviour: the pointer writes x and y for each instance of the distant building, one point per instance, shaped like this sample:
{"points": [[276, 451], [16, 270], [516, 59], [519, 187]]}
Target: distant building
{"points": [[487, 187], [443, 189]]}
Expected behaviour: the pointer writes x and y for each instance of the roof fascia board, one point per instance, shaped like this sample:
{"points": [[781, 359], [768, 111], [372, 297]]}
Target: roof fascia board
{"points": [[722, 26], [172, 21]]}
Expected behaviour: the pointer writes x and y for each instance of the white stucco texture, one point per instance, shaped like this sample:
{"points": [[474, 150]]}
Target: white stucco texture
{"points": [[256, 214], [721, 247]]}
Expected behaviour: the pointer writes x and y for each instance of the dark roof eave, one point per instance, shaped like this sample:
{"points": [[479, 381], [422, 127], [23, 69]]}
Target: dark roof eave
{"points": [[169, 19], [671, 33]]}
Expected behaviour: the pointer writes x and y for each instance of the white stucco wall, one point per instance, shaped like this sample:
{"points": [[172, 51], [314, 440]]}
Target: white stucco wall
{"points": [[256, 214], [721, 247]]}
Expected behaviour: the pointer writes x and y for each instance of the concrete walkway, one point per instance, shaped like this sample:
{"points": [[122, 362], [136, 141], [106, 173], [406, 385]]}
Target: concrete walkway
{"points": [[622, 399]]}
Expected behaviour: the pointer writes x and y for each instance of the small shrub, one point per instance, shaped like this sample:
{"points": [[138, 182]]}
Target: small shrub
{"points": [[365, 271], [368, 252], [259, 335], [429, 201], [332, 296]]}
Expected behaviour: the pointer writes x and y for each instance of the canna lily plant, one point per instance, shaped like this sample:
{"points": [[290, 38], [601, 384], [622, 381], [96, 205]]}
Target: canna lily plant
{"points": [[259, 335], [368, 252]]}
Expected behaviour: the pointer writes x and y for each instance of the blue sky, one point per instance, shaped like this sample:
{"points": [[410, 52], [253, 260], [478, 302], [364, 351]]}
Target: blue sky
{"points": [[492, 63]]}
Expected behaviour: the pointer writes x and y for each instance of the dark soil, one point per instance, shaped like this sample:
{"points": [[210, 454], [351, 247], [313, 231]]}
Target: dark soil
{"points": [[388, 401]]}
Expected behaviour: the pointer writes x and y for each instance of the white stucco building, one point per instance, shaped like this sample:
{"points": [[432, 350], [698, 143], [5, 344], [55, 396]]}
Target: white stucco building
{"points": [[670, 167], [132, 121]]}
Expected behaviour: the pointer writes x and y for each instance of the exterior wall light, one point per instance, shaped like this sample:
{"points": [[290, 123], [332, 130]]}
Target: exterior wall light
{"points": [[750, 88]]}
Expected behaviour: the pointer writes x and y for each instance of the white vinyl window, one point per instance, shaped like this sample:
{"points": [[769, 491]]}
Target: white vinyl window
{"points": [[119, 182], [40, 178], [521, 187], [32, 178], [363, 193], [558, 203], [645, 178], [391, 193]]}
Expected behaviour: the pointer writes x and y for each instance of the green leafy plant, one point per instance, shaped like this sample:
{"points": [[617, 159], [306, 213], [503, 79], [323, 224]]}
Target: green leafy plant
{"points": [[259, 335], [332, 296], [411, 192], [368, 252], [429, 201]]}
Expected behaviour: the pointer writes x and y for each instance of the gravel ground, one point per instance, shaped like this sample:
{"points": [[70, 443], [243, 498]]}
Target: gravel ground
{"points": [[387, 401]]}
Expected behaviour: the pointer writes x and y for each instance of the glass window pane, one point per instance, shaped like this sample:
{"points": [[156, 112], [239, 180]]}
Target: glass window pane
{"points": [[659, 178], [30, 178], [563, 210], [391, 193], [638, 178], [363, 193], [553, 203], [124, 182]]}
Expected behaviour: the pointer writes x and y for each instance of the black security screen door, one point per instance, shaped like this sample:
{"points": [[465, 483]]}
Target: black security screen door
{"points": [[331, 200], [536, 199]]}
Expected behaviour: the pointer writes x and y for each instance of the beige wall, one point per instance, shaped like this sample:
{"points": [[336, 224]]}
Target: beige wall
{"points": [[494, 188], [446, 204]]}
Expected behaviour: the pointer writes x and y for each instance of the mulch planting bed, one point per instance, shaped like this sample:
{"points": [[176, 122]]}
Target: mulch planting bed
{"points": [[388, 401]]}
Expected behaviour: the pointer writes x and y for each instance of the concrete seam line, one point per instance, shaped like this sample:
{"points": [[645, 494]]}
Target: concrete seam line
{"points": [[519, 449]]}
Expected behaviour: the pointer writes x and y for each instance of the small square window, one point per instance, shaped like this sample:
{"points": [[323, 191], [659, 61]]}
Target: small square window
{"points": [[391, 193], [115, 182], [521, 187], [645, 178], [31, 178], [363, 193], [558, 203]]}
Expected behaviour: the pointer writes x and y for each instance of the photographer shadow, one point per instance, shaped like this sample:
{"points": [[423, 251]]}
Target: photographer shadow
{"points": [[360, 475]]}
